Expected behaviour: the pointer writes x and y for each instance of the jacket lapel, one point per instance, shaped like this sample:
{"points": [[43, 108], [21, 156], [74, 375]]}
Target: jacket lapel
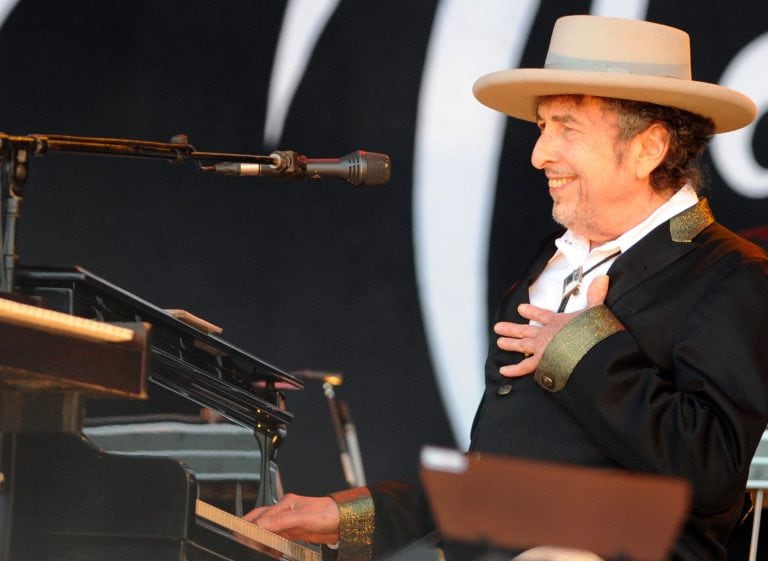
{"points": [[663, 246]]}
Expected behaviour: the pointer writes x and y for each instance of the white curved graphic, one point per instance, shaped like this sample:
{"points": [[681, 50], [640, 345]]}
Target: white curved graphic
{"points": [[303, 22], [458, 143], [732, 152], [6, 7], [630, 9]]}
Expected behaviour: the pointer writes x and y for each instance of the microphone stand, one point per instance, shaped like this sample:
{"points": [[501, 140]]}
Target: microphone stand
{"points": [[346, 438], [344, 429], [12, 179], [17, 151]]}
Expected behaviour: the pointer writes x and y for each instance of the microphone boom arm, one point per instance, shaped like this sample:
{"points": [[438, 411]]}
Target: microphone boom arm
{"points": [[178, 149], [17, 151]]}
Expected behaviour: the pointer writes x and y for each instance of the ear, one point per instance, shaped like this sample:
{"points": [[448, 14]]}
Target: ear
{"points": [[651, 149]]}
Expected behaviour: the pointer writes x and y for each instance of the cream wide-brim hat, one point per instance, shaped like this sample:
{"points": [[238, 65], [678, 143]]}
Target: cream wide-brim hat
{"points": [[619, 58]]}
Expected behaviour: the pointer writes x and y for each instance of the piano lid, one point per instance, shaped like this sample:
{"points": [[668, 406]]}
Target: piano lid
{"points": [[194, 363], [56, 276]]}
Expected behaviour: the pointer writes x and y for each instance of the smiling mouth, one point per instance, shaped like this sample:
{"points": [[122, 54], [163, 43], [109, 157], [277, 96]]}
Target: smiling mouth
{"points": [[559, 182]]}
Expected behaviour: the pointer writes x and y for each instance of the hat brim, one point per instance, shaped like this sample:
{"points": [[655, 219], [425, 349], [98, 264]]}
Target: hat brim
{"points": [[514, 92]]}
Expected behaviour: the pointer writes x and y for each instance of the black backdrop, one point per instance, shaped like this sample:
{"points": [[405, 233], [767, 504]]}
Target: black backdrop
{"points": [[304, 275]]}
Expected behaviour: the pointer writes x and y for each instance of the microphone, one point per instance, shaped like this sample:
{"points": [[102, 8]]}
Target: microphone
{"points": [[358, 168], [333, 378]]}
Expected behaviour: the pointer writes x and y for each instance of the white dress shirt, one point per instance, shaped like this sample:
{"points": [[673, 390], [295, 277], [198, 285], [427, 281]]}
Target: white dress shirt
{"points": [[573, 252]]}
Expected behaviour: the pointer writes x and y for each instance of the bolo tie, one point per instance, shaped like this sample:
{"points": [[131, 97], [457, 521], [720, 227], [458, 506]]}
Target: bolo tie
{"points": [[572, 282]]}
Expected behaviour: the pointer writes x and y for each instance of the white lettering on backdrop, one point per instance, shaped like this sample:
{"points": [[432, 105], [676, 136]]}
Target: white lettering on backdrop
{"points": [[732, 152]]}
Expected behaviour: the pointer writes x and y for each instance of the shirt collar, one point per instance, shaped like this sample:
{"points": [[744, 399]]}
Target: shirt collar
{"points": [[576, 248]]}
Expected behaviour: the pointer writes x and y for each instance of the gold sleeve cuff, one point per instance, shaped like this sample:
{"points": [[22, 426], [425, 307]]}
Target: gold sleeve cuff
{"points": [[356, 516], [571, 344]]}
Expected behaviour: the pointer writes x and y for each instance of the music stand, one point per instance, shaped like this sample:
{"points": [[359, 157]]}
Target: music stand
{"points": [[512, 504]]}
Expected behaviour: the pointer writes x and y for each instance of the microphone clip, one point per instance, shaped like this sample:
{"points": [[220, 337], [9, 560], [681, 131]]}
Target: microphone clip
{"points": [[288, 165]]}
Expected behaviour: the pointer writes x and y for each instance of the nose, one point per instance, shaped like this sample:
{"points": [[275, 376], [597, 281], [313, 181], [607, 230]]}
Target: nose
{"points": [[544, 151]]}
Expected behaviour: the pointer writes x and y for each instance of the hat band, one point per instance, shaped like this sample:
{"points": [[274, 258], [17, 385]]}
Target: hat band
{"points": [[560, 62]]}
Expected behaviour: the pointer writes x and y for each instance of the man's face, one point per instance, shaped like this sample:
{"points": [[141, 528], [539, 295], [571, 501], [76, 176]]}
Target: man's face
{"points": [[592, 188]]}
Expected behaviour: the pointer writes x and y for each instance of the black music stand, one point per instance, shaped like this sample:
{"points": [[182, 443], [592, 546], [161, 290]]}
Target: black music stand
{"points": [[511, 505]]}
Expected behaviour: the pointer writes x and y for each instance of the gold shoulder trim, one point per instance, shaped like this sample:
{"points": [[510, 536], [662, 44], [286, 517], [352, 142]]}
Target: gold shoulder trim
{"points": [[356, 515], [571, 344], [687, 225]]}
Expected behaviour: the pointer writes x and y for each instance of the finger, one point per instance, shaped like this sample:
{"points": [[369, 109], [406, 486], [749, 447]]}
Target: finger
{"points": [[510, 329], [516, 330], [280, 522], [508, 344], [598, 290], [526, 346], [522, 368], [287, 503], [534, 313], [253, 515]]}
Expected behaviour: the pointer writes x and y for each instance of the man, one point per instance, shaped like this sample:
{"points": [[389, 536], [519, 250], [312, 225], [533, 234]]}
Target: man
{"points": [[636, 339]]}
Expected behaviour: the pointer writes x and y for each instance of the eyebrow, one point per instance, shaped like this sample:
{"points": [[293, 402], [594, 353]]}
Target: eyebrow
{"points": [[563, 118]]}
